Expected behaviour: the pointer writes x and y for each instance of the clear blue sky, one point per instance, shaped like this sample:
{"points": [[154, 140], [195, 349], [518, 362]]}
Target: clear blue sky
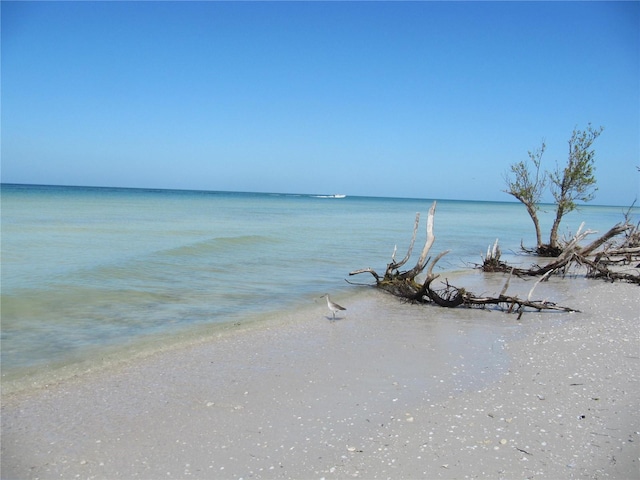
{"points": [[409, 99]]}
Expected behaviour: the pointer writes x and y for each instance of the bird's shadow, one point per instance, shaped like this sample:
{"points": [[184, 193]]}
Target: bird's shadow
{"points": [[336, 319]]}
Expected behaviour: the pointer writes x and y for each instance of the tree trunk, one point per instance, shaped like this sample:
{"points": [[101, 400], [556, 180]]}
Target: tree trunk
{"points": [[553, 237], [534, 217]]}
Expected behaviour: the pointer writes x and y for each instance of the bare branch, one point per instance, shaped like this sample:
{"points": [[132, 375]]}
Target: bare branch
{"points": [[506, 284], [366, 270], [395, 265], [542, 278], [404, 285], [421, 263], [435, 260]]}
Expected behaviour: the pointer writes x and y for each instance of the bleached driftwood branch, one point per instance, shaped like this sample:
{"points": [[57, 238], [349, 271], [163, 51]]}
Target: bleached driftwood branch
{"points": [[405, 285]]}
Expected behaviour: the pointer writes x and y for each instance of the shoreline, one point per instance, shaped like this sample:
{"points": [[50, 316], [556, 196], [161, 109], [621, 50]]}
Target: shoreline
{"points": [[31, 379], [388, 391], [110, 358]]}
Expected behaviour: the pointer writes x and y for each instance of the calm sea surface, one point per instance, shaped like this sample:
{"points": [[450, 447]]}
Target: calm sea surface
{"points": [[85, 269]]}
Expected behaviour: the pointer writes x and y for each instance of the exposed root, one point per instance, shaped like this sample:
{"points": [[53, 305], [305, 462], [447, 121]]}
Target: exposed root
{"points": [[403, 284], [599, 256]]}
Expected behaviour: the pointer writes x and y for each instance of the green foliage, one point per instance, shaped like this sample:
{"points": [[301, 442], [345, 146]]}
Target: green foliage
{"points": [[576, 181], [526, 184]]}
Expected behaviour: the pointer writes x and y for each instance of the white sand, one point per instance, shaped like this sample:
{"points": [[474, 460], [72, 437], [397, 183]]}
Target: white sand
{"points": [[388, 391]]}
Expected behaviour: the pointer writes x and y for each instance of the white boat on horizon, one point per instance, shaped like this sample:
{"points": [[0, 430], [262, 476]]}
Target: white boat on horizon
{"points": [[335, 195]]}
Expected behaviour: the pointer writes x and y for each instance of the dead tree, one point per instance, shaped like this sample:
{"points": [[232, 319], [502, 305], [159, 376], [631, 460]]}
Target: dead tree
{"points": [[617, 260], [600, 257], [405, 283]]}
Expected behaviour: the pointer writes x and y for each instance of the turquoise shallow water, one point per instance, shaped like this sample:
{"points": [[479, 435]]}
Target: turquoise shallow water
{"points": [[89, 268]]}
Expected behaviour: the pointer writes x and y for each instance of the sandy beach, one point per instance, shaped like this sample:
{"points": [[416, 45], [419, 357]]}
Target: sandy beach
{"points": [[389, 390]]}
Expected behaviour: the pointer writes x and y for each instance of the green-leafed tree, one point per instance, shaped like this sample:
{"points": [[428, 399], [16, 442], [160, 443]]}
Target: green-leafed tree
{"points": [[526, 183], [576, 181]]}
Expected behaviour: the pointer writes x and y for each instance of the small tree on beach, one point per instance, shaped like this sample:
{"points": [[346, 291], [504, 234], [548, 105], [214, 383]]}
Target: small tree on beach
{"points": [[526, 183], [576, 181]]}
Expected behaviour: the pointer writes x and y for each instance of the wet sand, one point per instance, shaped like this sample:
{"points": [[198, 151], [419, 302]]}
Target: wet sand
{"points": [[388, 390]]}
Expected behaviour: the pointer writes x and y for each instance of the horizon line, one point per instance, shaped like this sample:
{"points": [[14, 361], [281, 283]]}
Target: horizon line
{"points": [[199, 190]]}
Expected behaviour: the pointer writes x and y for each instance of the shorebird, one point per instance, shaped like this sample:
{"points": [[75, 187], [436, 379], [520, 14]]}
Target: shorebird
{"points": [[334, 307]]}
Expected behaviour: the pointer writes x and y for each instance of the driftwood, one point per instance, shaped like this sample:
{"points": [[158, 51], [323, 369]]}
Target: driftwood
{"points": [[404, 283], [606, 257]]}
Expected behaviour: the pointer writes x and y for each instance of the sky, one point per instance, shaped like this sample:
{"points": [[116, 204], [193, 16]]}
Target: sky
{"points": [[392, 99]]}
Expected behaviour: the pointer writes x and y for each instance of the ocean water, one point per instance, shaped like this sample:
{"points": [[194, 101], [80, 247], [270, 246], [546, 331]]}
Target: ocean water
{"points": [[87, 269]]}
